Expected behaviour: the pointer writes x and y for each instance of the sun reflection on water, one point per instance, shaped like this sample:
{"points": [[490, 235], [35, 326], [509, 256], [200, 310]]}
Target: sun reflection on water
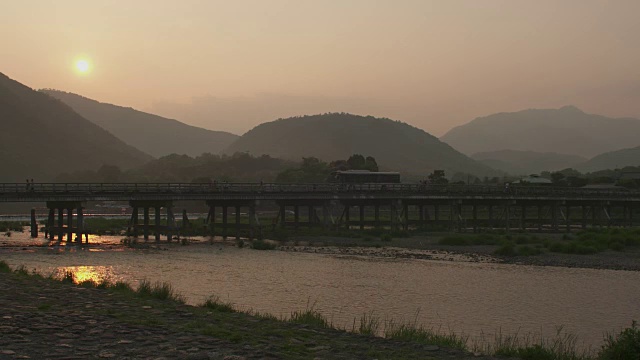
{"points": [[97, 274]]}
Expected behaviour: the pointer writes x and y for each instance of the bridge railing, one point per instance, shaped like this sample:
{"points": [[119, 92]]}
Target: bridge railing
{"points": [[270, 188]]}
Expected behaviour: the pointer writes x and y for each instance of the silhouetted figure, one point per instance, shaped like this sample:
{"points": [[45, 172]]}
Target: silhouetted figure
{"points": [[32, 187], [28, 185]]}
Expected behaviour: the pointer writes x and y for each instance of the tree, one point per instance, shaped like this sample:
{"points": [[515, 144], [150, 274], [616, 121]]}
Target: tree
{"points": [[437, 177], [371, 164], [356, 162]]}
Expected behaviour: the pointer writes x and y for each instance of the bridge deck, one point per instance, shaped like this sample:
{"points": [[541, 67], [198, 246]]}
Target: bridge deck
{"points": [[15, 192]]}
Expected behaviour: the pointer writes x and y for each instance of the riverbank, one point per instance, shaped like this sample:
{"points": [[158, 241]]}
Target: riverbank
{"points": [[45, 319], [431, 247]]}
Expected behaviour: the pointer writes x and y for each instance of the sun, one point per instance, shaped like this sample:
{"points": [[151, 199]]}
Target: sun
{"points": [[83, 66]]}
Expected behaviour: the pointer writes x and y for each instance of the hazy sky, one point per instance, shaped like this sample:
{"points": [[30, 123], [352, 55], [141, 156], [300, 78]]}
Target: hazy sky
{"points": [[229, 65]]}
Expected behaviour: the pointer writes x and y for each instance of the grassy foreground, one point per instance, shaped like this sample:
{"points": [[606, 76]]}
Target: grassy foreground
{"points": [[221, 320]]}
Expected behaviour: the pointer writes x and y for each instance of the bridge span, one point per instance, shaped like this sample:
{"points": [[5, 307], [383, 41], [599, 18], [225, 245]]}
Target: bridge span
{"points": [[395, 206]]}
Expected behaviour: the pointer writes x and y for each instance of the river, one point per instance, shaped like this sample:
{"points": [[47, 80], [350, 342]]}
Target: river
{"points": [[477, 299]]}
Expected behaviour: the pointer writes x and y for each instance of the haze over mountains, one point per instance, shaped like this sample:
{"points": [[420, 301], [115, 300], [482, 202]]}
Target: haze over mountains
{"points": [[517, 162], [567, 130], [41, 137], [612, 160], [155, 135], [395, 145]]}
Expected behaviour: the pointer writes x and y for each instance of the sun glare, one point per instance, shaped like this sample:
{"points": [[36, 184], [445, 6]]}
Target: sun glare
{"points": [[83, 66]]}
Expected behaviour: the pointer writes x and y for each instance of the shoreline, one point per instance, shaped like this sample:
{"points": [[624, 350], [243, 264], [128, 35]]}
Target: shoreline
{"points": [[46, 318]]}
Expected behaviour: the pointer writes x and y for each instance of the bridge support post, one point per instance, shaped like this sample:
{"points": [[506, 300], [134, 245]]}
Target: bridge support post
{"points": [[347, 220], [157, 223], [376, 215], [507, 209], [282, 216], [490, 211], [405, 216], [474, 210], [325, 215], [421, 215], [540, 220], [237, 222], [312, 216], [34, 224], [436, 215], [361, 217], [296, 216], [224, 222], [554, 216], [145, 224], [252, 220], [50, 224], [594, 216], [60, 224], [185, 220], [171, 224], [69, 225], [80, 229], [210, 222], [132, 229]]}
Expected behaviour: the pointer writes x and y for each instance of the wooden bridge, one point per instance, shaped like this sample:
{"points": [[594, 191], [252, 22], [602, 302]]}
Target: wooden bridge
{"points": [[396, 206]]}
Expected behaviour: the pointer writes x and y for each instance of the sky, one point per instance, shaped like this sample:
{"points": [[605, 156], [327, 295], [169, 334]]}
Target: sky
{"points": [[230, 65]]}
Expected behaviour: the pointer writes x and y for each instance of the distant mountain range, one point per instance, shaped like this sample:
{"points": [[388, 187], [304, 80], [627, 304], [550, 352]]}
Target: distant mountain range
{"points": [[567, 130], [395, 145], [527, 162], [150, 133], [612, 160], [41, 137]]}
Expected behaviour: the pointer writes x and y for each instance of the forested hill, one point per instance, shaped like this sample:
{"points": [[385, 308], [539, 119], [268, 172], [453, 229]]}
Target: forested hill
{"points": [[150, 133], [395, 145], [567, 130], [42, 137]]}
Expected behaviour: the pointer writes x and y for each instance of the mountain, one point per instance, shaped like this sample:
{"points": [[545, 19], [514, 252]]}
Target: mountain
{"points": [[527, 162], [42, 137], [567, 130], [612, 160], [395, 145], [150, 133]]}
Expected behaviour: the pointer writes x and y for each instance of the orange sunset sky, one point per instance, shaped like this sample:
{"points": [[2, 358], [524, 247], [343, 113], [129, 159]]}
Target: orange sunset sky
{"points": [[230, 65]]}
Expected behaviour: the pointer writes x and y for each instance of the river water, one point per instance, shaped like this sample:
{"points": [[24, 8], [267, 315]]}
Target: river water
{"points": [[477, 299]]}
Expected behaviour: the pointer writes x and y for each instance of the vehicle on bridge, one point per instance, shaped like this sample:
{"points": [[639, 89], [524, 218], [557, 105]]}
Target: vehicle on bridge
{"points": [[366, 176]]}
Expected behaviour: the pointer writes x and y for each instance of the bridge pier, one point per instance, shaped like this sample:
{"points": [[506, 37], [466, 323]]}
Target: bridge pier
{"points": [[157, 227], [60, 230], [237, 205], [34, 224]]}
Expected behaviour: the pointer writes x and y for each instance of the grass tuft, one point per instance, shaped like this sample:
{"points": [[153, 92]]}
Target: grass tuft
{"points": [[369, 325], [416, 333], [160, 291], [625, 345], [309, 316], [4, 267], [529, 347], [214, 303]]}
